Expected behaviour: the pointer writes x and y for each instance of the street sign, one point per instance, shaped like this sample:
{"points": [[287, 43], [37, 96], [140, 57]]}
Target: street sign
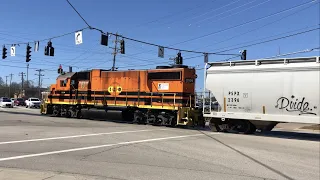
{"points": [[36, 46], [78, 37], [161, 52], [13, 51], [206, 58]]}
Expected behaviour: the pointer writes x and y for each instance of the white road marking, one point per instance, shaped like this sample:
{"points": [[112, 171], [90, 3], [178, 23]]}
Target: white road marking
{"points": [[77, 136], [99, 146]]}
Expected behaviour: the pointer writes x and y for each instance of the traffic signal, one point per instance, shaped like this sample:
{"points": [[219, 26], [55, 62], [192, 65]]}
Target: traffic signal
{"points": [[179, 58], [60, 70], [28, 55], [4, 52], [122, 49], [244, 55], [51, 51], [46, 50], [104, 39]]}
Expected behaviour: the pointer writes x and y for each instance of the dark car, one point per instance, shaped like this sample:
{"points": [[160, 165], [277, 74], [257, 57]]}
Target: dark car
{"points": [[19, 102]]}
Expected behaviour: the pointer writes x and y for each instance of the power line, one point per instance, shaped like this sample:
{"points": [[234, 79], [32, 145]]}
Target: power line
{"points": [[78, 13], [232, 10], [172, 14], [258, 27], [296, 30], [283, 37], [233, 2], [245, 23], [261, 42], [280, 55], [297, 52], [279, 12]]}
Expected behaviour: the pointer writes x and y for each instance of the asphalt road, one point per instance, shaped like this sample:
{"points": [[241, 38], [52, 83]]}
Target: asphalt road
{"points": [[38, 147]]}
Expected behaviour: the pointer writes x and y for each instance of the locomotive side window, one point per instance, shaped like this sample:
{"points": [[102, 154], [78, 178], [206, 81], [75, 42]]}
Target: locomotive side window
{"points": [[63, 83], [164, 76]]}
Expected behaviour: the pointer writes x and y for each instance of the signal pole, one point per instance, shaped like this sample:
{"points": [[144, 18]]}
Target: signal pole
{"points": [[39, 82], [115, 52], [28, 75]]}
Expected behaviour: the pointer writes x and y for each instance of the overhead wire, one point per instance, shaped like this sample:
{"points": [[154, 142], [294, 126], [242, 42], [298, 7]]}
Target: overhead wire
{"points": [[78, 13], [245, 23], [262, 42], [194, 17], [255, 29], [271, 57], [238, 12], [239, 25], [172, 14], [275, 39], [230, 10]]}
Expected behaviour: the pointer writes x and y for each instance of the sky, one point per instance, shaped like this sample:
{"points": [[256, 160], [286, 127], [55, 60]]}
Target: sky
{"points": [[205, 26]]}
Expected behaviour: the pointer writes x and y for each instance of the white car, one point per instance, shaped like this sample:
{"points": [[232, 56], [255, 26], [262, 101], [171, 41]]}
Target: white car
{"points": [[33, 102], [6, 103]]}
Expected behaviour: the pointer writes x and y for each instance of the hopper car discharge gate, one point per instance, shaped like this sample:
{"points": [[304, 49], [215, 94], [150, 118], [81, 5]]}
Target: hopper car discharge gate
{"points": [[242, 96]]}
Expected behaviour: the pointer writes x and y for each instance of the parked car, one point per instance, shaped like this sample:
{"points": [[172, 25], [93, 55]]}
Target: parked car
{"points": [[6, 103], [33, 102], [3, 98], [19, 102]]}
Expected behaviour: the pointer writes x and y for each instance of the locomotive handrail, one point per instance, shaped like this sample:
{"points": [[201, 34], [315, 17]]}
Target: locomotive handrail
{"points": [[161, 95]]}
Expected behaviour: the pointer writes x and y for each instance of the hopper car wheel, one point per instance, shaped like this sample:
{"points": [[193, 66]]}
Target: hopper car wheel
{"points": [[243, 126], [213, 127], [232, 126]]}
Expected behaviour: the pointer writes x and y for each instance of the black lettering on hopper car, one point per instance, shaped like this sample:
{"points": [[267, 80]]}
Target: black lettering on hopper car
{"points": [[295, 105]]}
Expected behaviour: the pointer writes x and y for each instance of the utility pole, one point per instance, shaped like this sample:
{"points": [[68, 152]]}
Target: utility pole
{"points": [[7, 81], [10, 85], [115, 52], [39, 82], [22, 74]]}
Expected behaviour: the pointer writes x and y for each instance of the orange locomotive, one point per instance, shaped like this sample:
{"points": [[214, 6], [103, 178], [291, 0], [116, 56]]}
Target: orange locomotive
{"points": [[162, 96]]}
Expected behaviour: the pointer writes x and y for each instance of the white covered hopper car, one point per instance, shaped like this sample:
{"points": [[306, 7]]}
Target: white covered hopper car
{"points": [[257, 94]]}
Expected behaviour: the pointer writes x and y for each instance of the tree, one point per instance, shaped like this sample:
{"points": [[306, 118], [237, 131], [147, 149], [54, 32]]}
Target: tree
{"points": [[1, 82]]}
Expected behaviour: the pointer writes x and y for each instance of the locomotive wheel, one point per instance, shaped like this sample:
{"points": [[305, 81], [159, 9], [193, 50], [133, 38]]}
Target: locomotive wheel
{"points": [[173, 121], [56, 113], [139, 118], [79, 114], [68, 114]]}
